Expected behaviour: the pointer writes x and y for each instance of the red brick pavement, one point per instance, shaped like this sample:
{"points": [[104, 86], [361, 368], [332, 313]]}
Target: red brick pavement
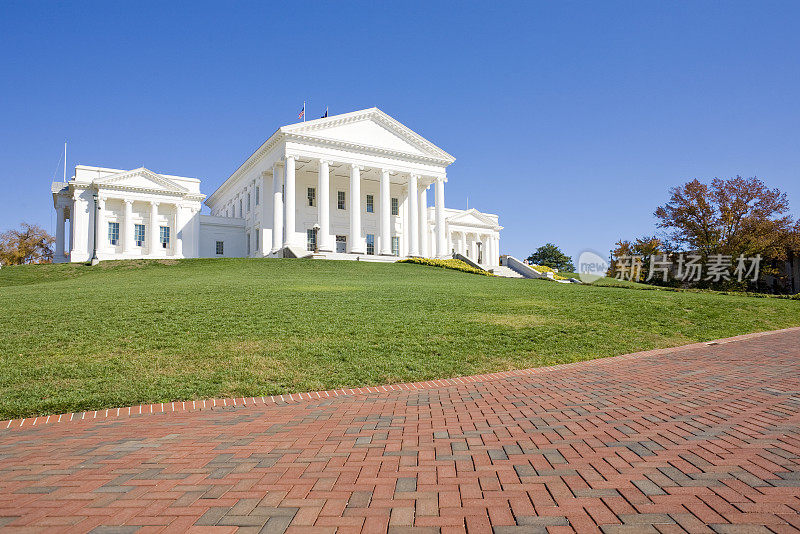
{"points": [[703, 438]]}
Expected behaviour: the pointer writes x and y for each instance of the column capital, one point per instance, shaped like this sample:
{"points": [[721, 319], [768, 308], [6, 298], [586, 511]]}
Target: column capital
{"points": [[325, 161], [155, 203], [354, 166], [127, 201], [287, 157]]}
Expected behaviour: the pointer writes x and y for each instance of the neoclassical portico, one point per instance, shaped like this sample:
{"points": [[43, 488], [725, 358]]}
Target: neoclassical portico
{"points": [[354, 184]]}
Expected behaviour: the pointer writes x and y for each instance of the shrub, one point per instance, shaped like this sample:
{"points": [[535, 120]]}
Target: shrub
{"points": [[456, 265], [546, 269]]}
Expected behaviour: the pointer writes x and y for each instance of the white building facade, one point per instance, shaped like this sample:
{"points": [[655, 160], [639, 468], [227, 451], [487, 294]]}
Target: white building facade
{"points": [[349, 186]]}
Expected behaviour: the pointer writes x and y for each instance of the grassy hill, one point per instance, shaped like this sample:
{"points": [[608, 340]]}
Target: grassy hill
{"points": [[74, 337]]}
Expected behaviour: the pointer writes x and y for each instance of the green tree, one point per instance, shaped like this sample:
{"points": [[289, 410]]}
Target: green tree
{"points": [[552, 256]]}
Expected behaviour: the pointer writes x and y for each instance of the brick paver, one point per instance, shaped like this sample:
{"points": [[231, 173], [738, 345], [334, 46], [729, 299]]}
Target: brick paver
{"points": [[698, 439]]}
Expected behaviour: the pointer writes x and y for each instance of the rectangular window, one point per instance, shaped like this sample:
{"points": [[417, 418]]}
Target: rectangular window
{"points": [[312, 196], [258, 195], [164, 233], [241, 213], [370, 243], [311, 240], [340, 200], [258, 239], [395, 246], [248, 202], [370, 204], [341, 244], [395, 206], [220, 248], [138, 234], [247, 244], [113, 233]]}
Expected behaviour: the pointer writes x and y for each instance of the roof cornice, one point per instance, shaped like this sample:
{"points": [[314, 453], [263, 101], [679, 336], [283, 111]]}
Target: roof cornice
{"points": [[398, 128], [150, 190], [484, 219], [368, 149], [168, 187]]}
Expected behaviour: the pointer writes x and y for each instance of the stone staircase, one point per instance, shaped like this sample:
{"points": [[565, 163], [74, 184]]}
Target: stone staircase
{"points": [[505, 272]]}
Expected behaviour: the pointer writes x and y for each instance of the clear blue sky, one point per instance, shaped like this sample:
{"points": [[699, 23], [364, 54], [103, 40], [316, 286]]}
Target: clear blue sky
{"points": [[570, 120]]}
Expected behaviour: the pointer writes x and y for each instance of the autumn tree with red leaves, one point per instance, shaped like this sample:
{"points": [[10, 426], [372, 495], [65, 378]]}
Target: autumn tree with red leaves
{"points": [[733, 216]]}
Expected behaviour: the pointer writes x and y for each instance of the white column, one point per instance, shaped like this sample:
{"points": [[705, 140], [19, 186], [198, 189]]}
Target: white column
{"points": [[354, 244], [60, 223], [195, 215], [277, 208], [441, 238], [266, 215], [404, 233], [413, 216], [423, 222], [79, 223], [155, 235], [178, 231], [71, 235], [289, 197], [385, 224], [324, 207], [102, 225], [127, 238]]}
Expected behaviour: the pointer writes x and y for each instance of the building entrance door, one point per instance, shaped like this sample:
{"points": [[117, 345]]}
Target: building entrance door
{"points": [[341, 243]]}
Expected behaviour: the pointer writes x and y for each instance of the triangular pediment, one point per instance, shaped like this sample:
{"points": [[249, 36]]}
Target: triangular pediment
{"points": [[141, 179], [370, 128], [472, 217]]}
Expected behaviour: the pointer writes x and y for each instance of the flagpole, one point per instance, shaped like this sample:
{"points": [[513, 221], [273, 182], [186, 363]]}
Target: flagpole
{"points": [[304, 111]]}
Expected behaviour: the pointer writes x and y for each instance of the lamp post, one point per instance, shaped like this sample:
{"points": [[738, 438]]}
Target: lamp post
{"points": [[95, 260]]}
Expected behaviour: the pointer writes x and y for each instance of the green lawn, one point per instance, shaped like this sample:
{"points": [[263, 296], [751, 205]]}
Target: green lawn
{"points": [[75, 338]]}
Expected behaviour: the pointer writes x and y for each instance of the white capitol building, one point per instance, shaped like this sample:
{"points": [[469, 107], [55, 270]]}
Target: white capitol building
{"points": [[342, 187]]}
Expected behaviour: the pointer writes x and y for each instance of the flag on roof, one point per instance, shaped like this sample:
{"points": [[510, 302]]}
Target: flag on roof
{"points": [[326, 113], [302, 111]]}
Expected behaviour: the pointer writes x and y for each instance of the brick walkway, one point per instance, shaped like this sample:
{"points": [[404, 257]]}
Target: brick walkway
{"points": [[698, 439]]}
